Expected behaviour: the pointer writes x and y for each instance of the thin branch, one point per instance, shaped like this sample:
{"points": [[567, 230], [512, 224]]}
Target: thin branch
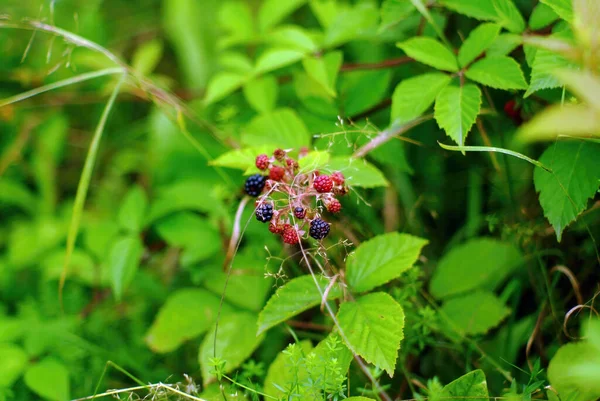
{"points": [[380, 65]]}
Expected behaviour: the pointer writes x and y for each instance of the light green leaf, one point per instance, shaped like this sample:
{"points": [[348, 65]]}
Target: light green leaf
{"points": [[186, 314], [222, 85], [456, 109], [564, 8], [586, 14], [373, 325], [123, 261], [261, 93], [574, 371], [281, 128], [235, 17], [508, 15], [568, 120], [393, 12], [478, 41], [479, 263], [359, 399], [292, 36], [350, 24], [362, 90], [313, 160], [431, 52], [281, 373], [498, 72], [381, 259], [14, 361], [544, 64], [297, 295], [146, 57], [236, 341], [504, 44], [575, 178], [133, 210], [242, 159], [49, 379], [472, 386], [583, 84], [324, 69], [413, 96], [474, 313], [424, 11], [273, 12], [542, 16], [275, 58], [479, 9], [358, 173]]}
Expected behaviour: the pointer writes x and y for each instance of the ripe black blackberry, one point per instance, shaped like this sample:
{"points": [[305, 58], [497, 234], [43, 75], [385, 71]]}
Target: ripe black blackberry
{"points": [[299, 212], [264, 212], [255, 184], [319, 228]]}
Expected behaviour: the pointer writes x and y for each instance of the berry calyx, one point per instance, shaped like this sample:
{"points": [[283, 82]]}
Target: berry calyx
{"points": [[276, 173], [338, 178], [290, 235], [334, 206], [255, 184], [262, 162], [264, 212], [323, 183], [299, 212], [319, 229]]}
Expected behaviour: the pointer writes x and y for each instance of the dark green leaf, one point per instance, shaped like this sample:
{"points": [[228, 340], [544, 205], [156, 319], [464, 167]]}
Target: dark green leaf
{"points": [[474, 313]]}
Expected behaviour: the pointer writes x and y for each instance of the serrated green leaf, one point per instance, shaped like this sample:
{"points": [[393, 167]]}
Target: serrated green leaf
{"points": [[478, 41], [281, 128], [541, 72], [236, 341], [222, 85], [564, 8], [504, 44], [542, 16], [274, 11], [358, 172], [498, 72], [313, 160], [431, 52], [14, 360], [133, 210], [381, 259], [261, 93], [324, 70], [123, 261], [508, 15], [187, 313], [573, 371], [394, 12], [479, 9], [242, 159], [473, 386], [413, 96], [275, 58], [568, 120], [575, 178], [373, 326], [297, 295], [456, 109], [49, 379], [474, 313], [479, 263]]}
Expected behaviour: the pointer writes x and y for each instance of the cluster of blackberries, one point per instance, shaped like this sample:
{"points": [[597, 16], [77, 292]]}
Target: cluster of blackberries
{"points": [[289, 200]]}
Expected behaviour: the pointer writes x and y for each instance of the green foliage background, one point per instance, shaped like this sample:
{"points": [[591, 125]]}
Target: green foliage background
{"points": [[460, 270]]}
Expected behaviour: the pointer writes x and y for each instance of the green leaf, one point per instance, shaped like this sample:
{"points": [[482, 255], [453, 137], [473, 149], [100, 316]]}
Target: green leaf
{"points": [[49, 379], [478, 41], [508, 15], [393, 12], [474, 313], [359, 399], [297, 295], [568, 120], [544, 64], [222, 85], [575, 178], [236, 341], [472, 385], [123, 261], [14, 361], [324, 70], [292, 36], [261, 93], [479, 9], [358, 172], [186, 314], [242, 159], [504, 44], [362, 90], [187, 230], [314, 160], [574, 371], [564, 8], [413, 96], [381, 259], [373, 326], [281, 372], [542, 16], [273, 12], [498, 72], [281, 128], [275, 58], [235, 17], [133, 210], [456, 109], [479, 263], [146, 57], [350, 24], [431, 52]]}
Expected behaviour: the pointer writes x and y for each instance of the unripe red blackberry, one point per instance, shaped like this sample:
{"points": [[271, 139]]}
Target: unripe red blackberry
{"points": [[262, 162], [264, 212], [292, 163], [279, 154], [276, 173], [275, 228], [338, 178], [334, 206], [299, 212], [290, 235], [323, 183], [254, 184], [319, 229]]}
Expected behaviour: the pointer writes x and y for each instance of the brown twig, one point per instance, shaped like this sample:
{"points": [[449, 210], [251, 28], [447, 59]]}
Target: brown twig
{"points": [[380, 65]]}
